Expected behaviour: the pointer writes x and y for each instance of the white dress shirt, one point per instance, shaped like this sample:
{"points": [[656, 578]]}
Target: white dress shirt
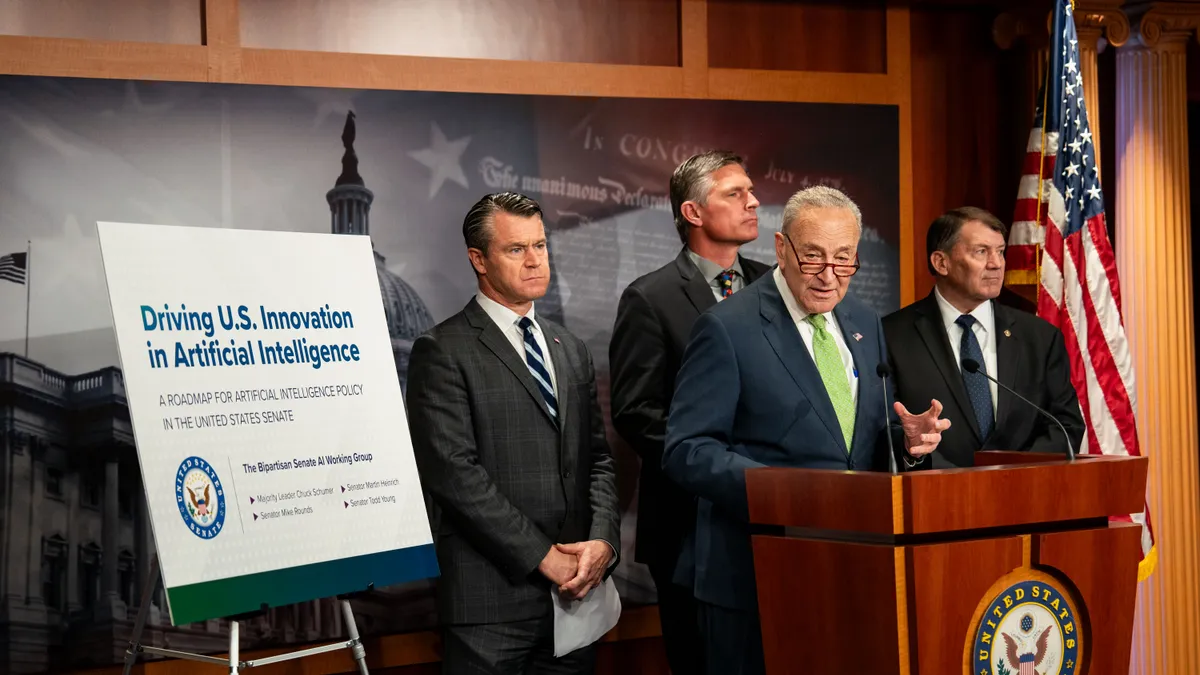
{"points": [[806, 329], [506, 320], [985, 332]]}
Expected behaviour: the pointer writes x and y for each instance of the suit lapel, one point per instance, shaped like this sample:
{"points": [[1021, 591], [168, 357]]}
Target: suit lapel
{"points": [[933, 333], [1008, 360], [753, 269], [781, 332], [494, 340], [849, 328], [695, 287]]}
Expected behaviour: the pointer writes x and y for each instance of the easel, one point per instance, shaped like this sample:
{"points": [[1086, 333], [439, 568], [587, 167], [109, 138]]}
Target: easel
{"points": [[354, 644]]}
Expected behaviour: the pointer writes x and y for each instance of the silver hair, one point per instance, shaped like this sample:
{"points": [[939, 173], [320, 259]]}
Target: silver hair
{"points": [[818, 197], [692, 181]]}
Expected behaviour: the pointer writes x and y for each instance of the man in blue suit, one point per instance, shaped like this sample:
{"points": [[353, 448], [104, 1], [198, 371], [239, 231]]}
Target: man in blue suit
{"points": [[781, 374]]}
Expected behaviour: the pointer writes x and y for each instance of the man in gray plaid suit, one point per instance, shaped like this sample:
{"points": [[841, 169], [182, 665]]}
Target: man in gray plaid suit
{"points": [[512, 454]]}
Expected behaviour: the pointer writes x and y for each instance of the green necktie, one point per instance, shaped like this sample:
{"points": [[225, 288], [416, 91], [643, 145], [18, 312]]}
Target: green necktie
{"points": [[833, 374]]}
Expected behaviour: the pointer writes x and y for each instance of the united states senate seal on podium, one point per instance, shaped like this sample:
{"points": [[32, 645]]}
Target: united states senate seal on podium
{"points": [[1029, 628], [200, 497]]}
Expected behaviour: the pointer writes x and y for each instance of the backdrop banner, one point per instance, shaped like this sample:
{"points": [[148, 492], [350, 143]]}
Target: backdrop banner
{"points": [[399, 168]]}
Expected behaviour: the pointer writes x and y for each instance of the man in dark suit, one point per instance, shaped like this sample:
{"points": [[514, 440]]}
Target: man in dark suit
{"points": [[511, 449], [929, 339], [716, 212], [781, 374]]}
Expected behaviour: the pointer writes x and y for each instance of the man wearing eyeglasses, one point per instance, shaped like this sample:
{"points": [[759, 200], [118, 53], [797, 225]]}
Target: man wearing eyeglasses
{"points": [[780, 374]]}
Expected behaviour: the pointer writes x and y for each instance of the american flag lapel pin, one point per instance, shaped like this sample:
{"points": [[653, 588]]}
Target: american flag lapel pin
{"points": [[858, 337], [557, 342]]}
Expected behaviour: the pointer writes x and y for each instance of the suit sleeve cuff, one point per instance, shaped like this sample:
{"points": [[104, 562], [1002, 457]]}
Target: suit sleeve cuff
{"points": [[530, 560]]}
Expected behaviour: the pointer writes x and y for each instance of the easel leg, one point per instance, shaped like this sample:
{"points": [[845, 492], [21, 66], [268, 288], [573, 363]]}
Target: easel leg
{"points": [[356, 649], [233, 648], [234, 663], [135, 640]]}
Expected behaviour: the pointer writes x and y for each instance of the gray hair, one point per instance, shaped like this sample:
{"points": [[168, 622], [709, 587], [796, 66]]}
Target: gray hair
{"points": [[818, 197], [692, 181]]}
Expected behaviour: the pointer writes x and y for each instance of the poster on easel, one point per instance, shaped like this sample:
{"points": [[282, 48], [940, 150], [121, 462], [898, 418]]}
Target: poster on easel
{"points": [[268, 416]]}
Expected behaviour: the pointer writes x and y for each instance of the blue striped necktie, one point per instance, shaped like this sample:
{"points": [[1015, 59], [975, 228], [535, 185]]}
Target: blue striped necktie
{"points": [[537, 366]]}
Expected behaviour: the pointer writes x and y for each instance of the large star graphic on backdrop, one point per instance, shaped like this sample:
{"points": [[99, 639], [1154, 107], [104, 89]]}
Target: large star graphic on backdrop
{"points": [[442, 157]]}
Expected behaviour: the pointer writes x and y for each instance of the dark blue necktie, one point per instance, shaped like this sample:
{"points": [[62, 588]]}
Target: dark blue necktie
{"points": [[976, 384], [537, 366]]}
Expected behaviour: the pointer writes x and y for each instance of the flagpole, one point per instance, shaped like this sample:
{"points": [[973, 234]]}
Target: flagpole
{"points": [[28, 284]]}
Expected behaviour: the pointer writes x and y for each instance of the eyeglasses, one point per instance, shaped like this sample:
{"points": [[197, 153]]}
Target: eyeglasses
{"points": [[818, 268]]}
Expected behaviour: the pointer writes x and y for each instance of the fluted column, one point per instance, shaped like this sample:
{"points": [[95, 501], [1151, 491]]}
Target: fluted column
{"points": [[1100, 24], [1089, 50], [1154, 259]]}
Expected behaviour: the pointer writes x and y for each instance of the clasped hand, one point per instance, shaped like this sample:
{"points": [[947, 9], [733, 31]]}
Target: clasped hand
{"points": [[576, 568]]}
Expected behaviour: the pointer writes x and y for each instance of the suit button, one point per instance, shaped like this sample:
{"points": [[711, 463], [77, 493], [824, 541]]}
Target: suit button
{"points": [[566, 474]]}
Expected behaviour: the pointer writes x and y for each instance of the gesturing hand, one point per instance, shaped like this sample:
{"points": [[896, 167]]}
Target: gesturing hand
{"points": [[923, 432], [558, 567], [593, 557]]}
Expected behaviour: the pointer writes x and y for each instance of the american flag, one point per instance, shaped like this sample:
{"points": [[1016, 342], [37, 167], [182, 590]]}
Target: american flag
{"points": [[13, 267], [1059, 241]]}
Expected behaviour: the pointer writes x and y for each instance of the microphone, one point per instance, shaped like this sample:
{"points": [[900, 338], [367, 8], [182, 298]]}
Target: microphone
{"points": [[972, 366], [884, 371]]}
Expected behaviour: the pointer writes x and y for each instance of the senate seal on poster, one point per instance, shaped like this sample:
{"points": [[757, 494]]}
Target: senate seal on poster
{"points": [[200, 497], [1028, 628]]}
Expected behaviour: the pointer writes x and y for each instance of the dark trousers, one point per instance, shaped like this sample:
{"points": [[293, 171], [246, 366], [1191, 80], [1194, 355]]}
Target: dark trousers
{"points": [[680, 623], [518, 648], [732, 640]]}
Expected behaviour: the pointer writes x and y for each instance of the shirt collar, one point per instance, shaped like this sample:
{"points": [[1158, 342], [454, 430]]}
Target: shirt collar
{"points": [[712, 270], [984, 314], [798, 314], [503, 317]]}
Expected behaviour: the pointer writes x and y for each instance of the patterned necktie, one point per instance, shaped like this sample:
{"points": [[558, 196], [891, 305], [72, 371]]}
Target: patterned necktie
{"points": [[726, 280], [537, 366], [833, 374], [976, 384]]}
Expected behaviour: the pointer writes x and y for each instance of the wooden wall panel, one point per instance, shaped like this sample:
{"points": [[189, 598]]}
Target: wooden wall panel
{"points": [[632, 32], [633, 647], [422, 73], [61, 57], [166, 21], [967, 138], [843, 37]]}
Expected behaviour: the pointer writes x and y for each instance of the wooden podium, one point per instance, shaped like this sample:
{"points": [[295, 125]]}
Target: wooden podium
{"points": [[1010, 563]]}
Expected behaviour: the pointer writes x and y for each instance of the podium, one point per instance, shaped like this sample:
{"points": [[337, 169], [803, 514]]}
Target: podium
{"points": [[1007, 568]]}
